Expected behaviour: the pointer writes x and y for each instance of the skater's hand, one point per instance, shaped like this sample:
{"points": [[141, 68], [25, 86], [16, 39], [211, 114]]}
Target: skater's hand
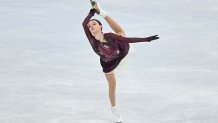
{"points": [[92, 11], [154, 37]]}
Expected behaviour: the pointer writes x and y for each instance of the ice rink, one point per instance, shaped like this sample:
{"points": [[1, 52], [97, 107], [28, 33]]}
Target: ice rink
{"points": [[50, 74]]}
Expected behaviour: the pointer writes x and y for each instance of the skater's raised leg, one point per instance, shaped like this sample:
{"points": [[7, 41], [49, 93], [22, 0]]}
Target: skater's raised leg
{"points": [[115, 26]]}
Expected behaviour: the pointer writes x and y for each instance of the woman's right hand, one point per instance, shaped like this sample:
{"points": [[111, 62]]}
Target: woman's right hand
{"points": [[92, 11]]}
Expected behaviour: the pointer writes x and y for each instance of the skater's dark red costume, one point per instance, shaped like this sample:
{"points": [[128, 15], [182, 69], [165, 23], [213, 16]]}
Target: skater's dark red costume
{"points": [[112, 51]]}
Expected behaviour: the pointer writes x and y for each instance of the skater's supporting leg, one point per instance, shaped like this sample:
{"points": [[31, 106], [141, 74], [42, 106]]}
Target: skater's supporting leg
{"points": [[112, 87]]}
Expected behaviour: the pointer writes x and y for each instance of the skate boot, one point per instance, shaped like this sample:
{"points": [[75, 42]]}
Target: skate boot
{"points": [[95, 6], [116, 115], [98, 8]]}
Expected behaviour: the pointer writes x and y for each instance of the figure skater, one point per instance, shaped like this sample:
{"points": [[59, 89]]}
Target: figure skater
{"points": [[111, 47]]}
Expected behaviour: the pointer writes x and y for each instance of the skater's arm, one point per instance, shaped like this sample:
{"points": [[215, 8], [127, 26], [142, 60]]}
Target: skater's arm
{"points": [[89, 35], [115, 26], [134, 39]]}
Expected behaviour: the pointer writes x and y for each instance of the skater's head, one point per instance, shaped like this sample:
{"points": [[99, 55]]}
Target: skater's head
{"points": [[96, 21], [94, 26]]}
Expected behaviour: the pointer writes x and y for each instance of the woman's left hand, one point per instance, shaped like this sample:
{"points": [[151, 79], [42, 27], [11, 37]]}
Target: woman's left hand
{"points": [[154, 37]]}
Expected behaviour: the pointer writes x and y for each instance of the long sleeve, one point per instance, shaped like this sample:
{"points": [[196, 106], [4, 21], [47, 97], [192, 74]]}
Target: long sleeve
{"points": [[90, 37], [130, 39]]}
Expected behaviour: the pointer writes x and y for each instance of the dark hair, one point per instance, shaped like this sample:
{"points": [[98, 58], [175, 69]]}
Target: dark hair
{"points": [[96, 21]]}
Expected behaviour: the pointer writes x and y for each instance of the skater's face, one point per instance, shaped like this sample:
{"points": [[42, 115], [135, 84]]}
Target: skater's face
{"points": [[94, 26]]}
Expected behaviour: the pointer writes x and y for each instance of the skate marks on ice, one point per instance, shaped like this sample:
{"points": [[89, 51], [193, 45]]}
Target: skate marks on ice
{"points": [[188, 112], [24, 120], [72, 120], [58, 120]]}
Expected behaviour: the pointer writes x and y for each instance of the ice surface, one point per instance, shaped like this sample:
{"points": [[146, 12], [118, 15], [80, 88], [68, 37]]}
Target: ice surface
{"points": [[49, 73]]}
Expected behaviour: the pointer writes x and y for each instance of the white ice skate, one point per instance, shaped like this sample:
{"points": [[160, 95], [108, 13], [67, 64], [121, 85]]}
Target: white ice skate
{"points": [[116, 115], [98, 8]]}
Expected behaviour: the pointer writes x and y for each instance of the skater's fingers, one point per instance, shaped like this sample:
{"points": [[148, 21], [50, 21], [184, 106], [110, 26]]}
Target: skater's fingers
{"points": [[155, 35], [92, 11]]}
